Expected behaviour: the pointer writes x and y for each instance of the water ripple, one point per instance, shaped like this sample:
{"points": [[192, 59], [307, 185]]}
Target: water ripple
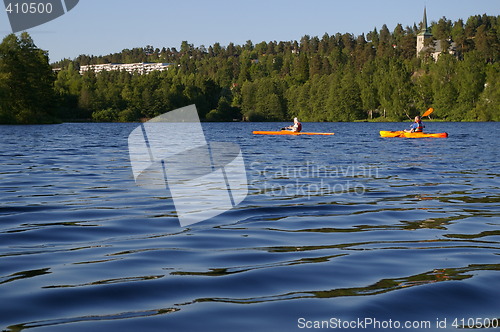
{"points": [[399, 229]]}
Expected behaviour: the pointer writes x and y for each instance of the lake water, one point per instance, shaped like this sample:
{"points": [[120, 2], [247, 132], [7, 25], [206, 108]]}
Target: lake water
{"points": [[339, 230]]}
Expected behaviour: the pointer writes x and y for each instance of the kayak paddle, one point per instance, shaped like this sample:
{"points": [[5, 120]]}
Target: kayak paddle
{"points": [[428, 112]]}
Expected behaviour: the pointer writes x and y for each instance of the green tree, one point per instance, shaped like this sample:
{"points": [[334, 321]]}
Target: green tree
{"points": [[424, 94], [469, 82], [349, 102], [443, 85], [107, 115], [248, 98], [224, 112], [28, 82], [487, 43], [6, 113], [385, 43], [315, 65], [68, 86], [87, 97], [269, 100], [395, 91], [318, 95], [298, 102], [301, 68], [367, 87], [488, 106], [442, 29], [373, 37], [334, 95], [458, 36]]}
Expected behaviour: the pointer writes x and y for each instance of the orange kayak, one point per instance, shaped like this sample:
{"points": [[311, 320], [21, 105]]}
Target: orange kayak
{"points": [[287, 132], [402, 133]]}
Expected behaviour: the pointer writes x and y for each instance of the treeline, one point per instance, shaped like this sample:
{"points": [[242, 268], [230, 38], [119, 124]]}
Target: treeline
{"points": [[338, 77]]}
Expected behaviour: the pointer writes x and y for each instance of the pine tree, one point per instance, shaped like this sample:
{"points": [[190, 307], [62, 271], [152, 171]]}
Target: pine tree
{"points": [[458, 36], [301, 66]]}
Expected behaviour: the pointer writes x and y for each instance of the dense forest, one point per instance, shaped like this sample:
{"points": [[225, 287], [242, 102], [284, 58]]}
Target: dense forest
{"points": [[338, 77]]}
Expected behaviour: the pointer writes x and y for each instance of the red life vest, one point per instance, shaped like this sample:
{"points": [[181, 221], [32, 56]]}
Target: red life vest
{"points": [[420, 127]]}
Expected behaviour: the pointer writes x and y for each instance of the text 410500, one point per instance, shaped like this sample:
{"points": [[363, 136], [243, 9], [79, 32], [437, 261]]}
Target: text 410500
{"points": [[29, 8], [475, 323]]}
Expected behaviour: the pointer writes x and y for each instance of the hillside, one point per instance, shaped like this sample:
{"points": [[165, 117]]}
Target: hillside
{"points": [[338, 77]]}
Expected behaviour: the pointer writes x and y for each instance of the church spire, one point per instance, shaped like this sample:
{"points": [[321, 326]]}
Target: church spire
{"points": [[425, 28], [424, 21], [424, 34]]}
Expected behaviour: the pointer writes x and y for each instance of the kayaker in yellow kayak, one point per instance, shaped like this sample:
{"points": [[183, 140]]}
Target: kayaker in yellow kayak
{"points": [[296, 127], [417, 126]]}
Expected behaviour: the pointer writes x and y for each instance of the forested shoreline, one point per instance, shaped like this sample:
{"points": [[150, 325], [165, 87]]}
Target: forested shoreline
{"points": [[338, 77]]}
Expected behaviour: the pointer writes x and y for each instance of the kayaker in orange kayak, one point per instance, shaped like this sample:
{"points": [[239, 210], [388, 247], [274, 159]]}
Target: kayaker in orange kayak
{"points": [[417, 126], [297, 126]]}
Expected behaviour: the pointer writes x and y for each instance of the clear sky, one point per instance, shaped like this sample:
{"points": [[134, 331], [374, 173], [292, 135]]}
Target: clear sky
{"points": [[100, 27]]}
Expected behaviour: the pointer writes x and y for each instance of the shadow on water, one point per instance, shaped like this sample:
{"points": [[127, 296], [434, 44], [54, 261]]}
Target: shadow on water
{"points": [[382, 286]]}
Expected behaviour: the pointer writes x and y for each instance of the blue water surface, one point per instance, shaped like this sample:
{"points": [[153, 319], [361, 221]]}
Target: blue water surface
{"points": [[334, 230]]}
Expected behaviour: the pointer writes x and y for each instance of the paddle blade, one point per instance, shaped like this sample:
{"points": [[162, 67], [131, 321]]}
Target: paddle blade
{"points": [[428, 112]]}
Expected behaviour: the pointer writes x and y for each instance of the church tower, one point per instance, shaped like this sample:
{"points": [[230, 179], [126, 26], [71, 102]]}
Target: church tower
{"points": [[424, 34]]}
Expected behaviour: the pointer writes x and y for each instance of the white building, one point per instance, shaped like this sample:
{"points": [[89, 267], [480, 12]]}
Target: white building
{"points": [[434, 47], [140, 67]]}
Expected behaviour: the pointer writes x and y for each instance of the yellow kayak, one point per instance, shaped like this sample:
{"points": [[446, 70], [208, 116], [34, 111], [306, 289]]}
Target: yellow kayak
{"points": [[402, 133]]}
